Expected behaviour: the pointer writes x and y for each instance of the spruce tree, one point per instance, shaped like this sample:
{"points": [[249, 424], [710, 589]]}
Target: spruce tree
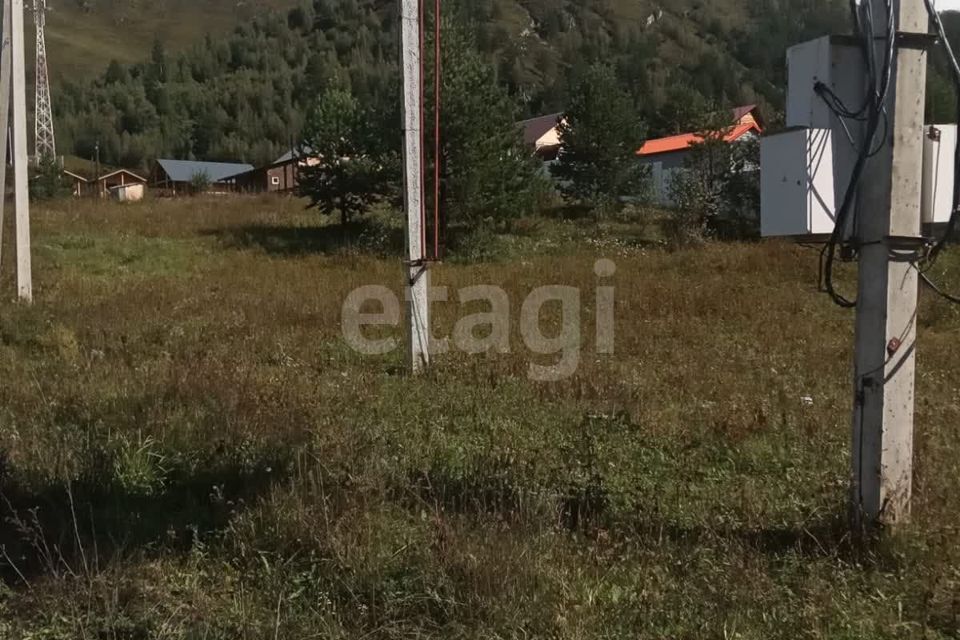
{"points": [[600, 134], [353, 172], [487, 173]]}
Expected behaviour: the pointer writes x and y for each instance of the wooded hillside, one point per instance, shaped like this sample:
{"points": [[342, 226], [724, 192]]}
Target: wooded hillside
{"points": [[244, 96]]}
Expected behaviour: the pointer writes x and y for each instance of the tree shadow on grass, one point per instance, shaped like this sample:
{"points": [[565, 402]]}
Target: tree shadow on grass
{"points": [[367, 235], [77, 529], [828, 537], [585, 510]]}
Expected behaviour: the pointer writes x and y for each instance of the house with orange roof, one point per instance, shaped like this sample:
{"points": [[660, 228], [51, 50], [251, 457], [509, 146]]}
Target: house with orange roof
{"points": [[666, 156]]}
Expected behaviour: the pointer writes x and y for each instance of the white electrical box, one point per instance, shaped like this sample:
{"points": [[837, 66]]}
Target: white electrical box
{"points": [[939, 164], [837, 63], [798, 189], [806, 169]]}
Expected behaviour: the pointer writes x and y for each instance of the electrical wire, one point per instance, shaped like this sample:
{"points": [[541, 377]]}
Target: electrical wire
{"points": [[835, 104], [842, 113], [437, 91], [875, 110], [925, 279], [423, 147], [430, 253]]}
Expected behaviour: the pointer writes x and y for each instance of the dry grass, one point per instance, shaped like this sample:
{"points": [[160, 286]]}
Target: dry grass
{"points": [[235, 471]]}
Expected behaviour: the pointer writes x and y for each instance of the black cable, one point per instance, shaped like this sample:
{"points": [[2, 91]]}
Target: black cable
{"points": [[891, 52], [875, 110], [842, 113], [876, 101], [835, 104], [874, 94], [937, 290]]}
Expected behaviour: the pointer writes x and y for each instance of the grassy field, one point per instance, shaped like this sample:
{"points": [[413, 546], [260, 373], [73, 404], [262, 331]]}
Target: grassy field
{"points": [[188, 448]]}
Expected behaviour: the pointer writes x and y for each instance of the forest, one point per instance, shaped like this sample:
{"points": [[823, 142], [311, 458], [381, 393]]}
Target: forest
{"points": [[246, 97]]}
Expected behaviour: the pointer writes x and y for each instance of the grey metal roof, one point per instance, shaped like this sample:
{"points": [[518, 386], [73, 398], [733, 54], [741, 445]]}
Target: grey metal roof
{"points": [[185, 170], [290, 155]]}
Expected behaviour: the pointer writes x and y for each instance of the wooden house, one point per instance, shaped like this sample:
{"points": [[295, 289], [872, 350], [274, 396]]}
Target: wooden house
{"points": [[181, 177], [280, 176], [79, 186], [668, 156], [542, 135], [122, 184]]}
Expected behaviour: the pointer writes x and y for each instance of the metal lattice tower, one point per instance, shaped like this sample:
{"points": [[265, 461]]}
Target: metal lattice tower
{"points": [[45, 143]]}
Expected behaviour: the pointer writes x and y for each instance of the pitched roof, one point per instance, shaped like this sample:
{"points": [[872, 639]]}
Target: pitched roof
{"points": [[287, 157], [687, 140], [294, 153], [75, 175], [126, 171], [740, 112], [185, 170], [536, 128]]}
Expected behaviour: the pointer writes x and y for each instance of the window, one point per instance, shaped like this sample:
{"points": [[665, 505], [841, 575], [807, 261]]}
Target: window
{"points": [[275, 181]]}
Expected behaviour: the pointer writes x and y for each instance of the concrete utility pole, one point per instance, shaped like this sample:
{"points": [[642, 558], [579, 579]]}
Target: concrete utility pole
{"points": [[21, 195], [417, 271], [889, 224]]}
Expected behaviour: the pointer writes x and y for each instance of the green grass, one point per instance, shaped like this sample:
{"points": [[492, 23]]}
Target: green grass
{"points": [[115, 256], [188, 449]]}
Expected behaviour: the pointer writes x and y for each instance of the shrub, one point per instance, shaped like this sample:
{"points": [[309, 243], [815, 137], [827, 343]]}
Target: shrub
{"points": [[717, 194], [47, 182], [199, 182]]}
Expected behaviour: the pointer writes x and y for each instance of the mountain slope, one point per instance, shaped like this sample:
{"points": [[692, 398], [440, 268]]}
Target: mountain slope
{"points": [[244, 95], [725, 50], [83, 36]]}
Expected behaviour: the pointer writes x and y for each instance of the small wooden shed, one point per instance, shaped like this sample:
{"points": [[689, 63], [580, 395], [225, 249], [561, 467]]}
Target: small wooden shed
{"points": [[121, 180], [79, 185]]}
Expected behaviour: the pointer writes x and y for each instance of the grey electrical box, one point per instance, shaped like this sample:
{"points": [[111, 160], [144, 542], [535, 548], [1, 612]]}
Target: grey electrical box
{"points": [[939, 167], [797, 185], [836, 62], [806, 169]]}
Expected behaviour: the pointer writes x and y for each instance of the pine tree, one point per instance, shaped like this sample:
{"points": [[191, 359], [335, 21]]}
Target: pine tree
{"points": [[47, 182], [486, 172], [353, 172], [600, 134]]}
